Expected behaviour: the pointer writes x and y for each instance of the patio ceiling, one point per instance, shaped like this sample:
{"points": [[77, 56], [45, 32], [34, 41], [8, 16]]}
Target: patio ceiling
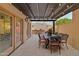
{"points": [[45, 11]]}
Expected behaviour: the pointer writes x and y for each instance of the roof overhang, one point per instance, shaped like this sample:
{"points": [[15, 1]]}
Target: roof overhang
{"points": [[46, 11]]}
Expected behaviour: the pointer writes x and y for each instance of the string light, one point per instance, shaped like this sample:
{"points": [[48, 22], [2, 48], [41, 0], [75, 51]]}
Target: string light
{"points": [[60, 4], [67, 6]]}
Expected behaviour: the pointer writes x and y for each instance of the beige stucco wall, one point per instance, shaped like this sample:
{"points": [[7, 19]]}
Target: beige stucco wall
{"points": [[10, 9], [29, 28], [72, 29], [25, 30], [14, 12], [75, 40]]}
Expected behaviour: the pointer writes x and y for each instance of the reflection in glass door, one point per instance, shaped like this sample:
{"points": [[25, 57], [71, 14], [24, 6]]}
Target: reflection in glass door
{"points": [[18, 32], [5, 32]]}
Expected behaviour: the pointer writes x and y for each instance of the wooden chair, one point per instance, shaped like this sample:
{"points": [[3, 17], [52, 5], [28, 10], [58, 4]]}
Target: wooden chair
{"points": [[60, 34], [53, 43], [42, 40], [64, 39]]}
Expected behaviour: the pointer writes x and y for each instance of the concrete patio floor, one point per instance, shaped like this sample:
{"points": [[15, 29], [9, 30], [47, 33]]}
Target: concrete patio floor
{"points": [[30, 48]]}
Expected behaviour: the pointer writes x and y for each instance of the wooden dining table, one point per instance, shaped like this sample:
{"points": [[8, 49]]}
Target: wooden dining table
{"points": [[53, 41], [53, 37]]}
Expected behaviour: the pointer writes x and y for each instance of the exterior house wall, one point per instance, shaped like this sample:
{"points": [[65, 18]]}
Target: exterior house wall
{"points": [[25, 30], [10, 9], [13, 12], [28, 28], [72, 29]]}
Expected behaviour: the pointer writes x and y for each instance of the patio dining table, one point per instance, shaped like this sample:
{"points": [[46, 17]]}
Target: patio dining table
{"points": [[53, 37]]}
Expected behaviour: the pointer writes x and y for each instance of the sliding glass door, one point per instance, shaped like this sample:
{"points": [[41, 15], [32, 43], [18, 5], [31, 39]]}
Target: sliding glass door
{"points": [[5, 32], [18, 31]]}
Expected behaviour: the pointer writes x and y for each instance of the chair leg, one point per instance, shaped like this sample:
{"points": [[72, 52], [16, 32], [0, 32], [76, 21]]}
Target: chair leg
{"points": [[66, 45], [50, 47], [59, 49], [43, 46], [39, 44]]}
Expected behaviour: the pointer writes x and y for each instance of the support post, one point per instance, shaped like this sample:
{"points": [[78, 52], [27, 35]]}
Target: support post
{"points": [[53, 26]]}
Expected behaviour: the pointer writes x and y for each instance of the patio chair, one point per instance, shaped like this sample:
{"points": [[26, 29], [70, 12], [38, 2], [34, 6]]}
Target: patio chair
{"points": [[64, 39], [55, 43], [60, 34], [42, 40], [56, 33]]}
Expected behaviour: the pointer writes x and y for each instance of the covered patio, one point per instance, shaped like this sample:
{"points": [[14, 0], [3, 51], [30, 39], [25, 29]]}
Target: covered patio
{"points": [[16, 37], [47, 12], [31, 48]]}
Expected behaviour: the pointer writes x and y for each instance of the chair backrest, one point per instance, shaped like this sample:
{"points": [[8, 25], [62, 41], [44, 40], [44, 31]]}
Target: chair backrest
{"points": [[65, 37], [60, 34], [56, 33], [44, 37], [41, 36]]}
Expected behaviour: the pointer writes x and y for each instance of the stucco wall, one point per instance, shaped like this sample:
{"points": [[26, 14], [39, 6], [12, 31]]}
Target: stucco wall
{"points": [[29, 28], [10, 9], [25, 30], [72, 29], [13, 11]]}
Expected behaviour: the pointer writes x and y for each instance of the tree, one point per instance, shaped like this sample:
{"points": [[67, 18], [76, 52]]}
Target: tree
{"points": [[63, 21]]}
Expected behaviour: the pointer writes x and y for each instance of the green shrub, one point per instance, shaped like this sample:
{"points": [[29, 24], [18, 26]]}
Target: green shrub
{"points": [[63, 21]]}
